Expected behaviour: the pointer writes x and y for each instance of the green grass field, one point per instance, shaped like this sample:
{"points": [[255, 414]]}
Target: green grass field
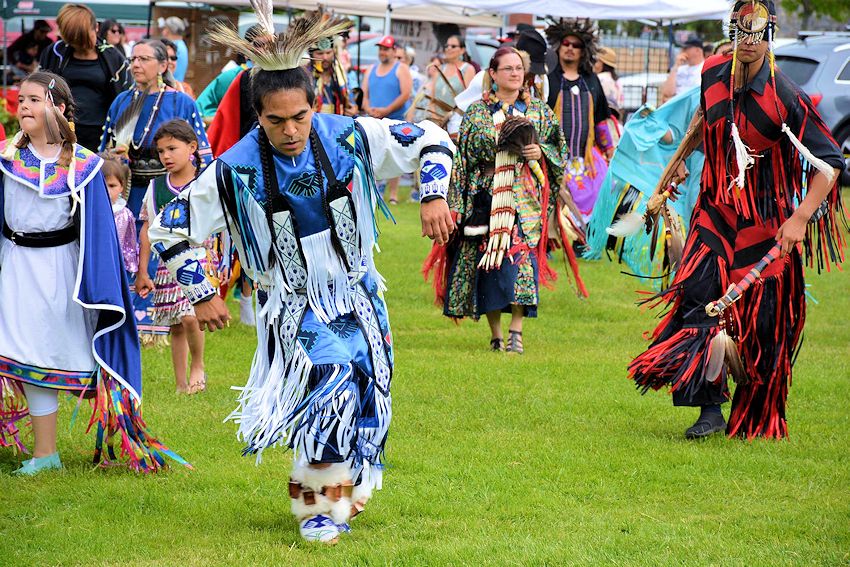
{"points": [[551, 458]]}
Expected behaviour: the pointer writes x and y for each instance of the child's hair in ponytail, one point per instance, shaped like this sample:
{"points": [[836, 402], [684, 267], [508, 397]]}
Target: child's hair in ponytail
{"points": [[58, 126], [181, 130]]}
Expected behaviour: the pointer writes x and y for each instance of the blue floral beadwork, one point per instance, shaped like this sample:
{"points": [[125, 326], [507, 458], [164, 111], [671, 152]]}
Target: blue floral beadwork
{"points": [[176, 214]]}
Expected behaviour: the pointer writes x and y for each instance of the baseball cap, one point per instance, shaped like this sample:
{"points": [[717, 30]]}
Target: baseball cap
{"points": [[387, 41], [693, 42]]}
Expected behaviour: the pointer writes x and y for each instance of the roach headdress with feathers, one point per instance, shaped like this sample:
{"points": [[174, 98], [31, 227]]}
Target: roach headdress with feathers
{"points": [[582, 28], [273, 52]]}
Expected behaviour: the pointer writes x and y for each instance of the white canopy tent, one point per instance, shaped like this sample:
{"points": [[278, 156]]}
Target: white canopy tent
{"points": [[664, 10], [416, 11]]}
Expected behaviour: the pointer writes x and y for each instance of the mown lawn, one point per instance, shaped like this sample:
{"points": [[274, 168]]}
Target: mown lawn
{"points": [[551, 458]]}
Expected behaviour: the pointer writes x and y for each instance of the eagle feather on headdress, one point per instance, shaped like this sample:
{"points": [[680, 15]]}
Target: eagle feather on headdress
{"points": [[279, 52]]}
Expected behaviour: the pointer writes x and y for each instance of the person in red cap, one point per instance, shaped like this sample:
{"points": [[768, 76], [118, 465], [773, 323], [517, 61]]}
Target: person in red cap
{"points": [[386, 92]]}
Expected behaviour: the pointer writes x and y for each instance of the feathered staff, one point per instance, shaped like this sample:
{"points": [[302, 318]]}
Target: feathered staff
{"points": [[271, 52], [439, 111], [630, 223]]}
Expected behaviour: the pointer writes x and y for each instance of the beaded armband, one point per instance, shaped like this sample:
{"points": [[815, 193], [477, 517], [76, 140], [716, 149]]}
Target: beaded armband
{"points": [[434, 172], [184, 263]]}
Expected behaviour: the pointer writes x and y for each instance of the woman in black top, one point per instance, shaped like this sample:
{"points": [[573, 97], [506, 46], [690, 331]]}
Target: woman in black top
{"points": [[95, 71]]}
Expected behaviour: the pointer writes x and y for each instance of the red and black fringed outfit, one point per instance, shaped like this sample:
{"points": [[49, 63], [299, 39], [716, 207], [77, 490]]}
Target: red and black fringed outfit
{"points": [[731, 230]]}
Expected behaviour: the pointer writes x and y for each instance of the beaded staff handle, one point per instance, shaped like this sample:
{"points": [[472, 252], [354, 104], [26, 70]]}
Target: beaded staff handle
{"points": [[735, 291]]}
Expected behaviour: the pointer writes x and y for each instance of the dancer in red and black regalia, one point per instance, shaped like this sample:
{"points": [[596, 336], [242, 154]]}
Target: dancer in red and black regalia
{"points": [[769, 178]]}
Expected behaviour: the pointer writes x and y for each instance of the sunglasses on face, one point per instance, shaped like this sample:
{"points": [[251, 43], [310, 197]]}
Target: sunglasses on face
{"points": [[172, 57], [573, 44], [115, 30]]}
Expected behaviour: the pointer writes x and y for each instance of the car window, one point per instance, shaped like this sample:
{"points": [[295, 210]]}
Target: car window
{"points": [[844, 74], [799, 69], [368, 51], [485, 52]]}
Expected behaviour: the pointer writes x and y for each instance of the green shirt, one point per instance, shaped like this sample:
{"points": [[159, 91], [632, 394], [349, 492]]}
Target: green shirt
{"points": [[211, 96]]}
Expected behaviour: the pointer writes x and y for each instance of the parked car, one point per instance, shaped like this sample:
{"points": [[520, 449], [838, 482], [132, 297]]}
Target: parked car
{"points": [[820, 64], [368, 46], [481, 49], [639, 88]]}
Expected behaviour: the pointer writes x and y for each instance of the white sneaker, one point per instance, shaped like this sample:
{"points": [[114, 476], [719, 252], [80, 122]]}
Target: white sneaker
{"points": [[246, 311], [320, 529]]}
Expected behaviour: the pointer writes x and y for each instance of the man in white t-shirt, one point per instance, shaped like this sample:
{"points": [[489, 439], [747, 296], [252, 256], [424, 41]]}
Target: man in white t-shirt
{"points": [[687, 71]]}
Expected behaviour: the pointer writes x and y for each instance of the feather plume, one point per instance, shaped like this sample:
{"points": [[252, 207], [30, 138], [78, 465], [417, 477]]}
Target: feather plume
{"points": [[280, 52], [567, 198], [675, 243], [626, 225], [125, 125], [676, 248], [716, 357], [516, 133], [734, 363], [264, 9], [51, 125], [572, 227]]}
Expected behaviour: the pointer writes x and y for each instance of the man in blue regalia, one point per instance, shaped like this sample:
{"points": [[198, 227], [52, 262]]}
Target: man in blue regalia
{"points": [[298, 196]]}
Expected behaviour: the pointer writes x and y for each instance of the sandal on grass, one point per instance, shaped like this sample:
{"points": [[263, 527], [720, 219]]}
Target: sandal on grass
{"points": [[514, 342], [497, 345]]}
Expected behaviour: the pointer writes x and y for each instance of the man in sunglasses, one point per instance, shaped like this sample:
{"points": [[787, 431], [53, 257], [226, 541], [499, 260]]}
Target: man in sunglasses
{"points": [[579, 102]]}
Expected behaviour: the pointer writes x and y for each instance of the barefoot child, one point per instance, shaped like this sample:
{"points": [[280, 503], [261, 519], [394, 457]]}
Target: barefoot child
{"points": [[176, 145], [65, 321]]}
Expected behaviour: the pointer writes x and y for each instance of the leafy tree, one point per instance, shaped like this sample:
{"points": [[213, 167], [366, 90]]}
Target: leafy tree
{"points": [[807, 9]]}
